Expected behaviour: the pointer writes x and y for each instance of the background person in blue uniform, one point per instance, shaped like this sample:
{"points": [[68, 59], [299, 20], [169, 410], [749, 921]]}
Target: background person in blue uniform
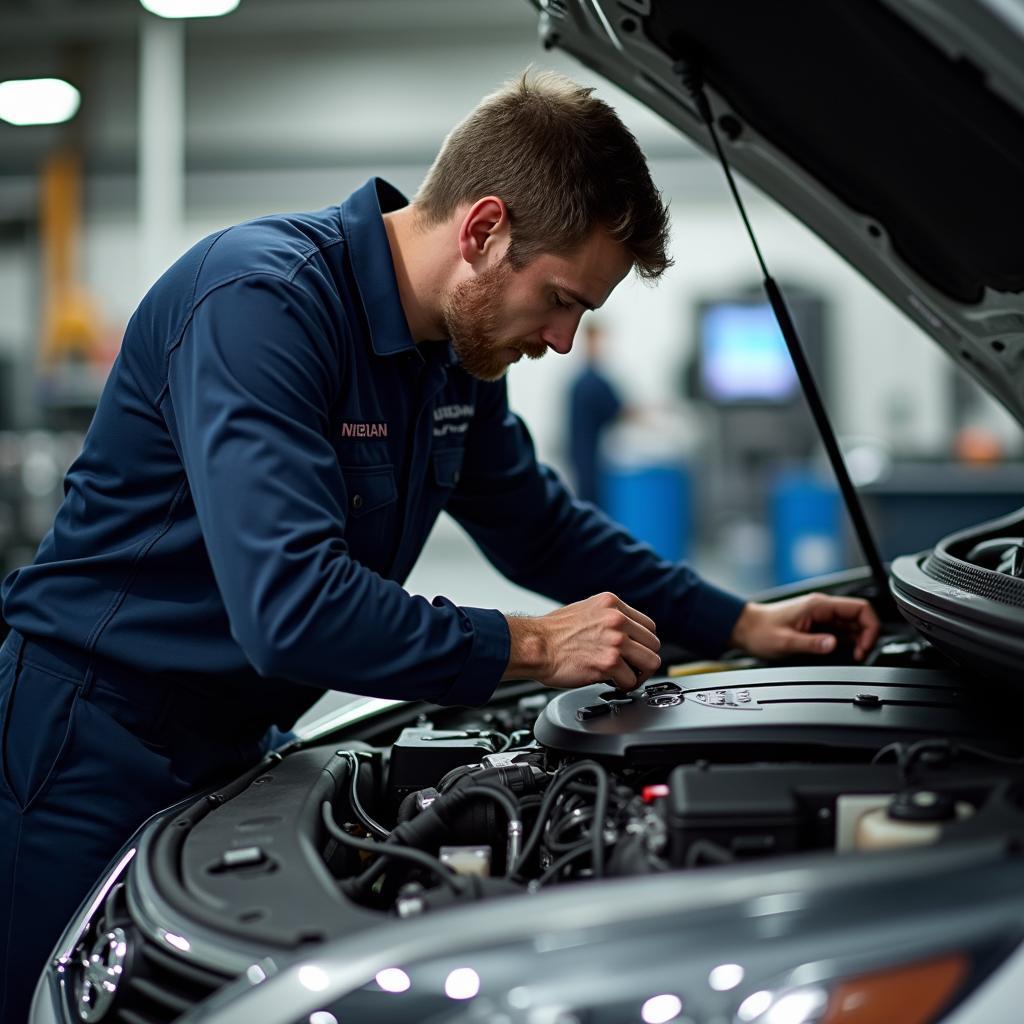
{"points": [[294, 402], [594, 405]]}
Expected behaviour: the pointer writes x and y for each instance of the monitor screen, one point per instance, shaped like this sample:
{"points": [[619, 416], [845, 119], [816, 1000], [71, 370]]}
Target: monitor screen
{"points": [[743, 357]]}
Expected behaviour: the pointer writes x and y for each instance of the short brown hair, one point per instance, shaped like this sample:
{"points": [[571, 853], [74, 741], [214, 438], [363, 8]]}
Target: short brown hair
{"points": [[563, 164]]}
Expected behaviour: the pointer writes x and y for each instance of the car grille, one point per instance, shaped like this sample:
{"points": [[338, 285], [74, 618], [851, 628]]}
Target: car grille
{"points": [[155, 985]]}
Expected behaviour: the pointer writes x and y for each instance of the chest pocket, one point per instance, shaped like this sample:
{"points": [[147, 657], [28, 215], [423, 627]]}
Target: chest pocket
{"points": [[369, 488], [372, 515], [447, 466]]}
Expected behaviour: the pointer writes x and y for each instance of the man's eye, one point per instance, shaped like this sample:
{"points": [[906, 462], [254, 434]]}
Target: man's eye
{"points": [[556, 301]]}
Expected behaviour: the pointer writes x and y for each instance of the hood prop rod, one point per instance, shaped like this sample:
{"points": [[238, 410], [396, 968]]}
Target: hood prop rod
{"points": [[693, 81]]}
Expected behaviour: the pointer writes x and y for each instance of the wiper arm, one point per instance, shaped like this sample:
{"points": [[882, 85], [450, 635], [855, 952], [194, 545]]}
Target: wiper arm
{"points": [[692, 79]]}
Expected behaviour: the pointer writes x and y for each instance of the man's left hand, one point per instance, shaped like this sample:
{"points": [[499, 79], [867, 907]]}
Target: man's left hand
{"points": [[806, 625]]}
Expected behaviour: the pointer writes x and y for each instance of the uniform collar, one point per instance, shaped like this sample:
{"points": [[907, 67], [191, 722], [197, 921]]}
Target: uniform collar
{"points": [[367, 240]]}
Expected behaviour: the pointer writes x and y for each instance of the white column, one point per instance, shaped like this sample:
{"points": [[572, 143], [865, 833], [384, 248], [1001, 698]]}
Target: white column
{"points": [[161, 144]]}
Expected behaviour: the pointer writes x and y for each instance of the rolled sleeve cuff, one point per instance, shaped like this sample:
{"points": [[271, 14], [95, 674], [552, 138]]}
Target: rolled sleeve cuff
{"points": [[708, 626], [488, 659]]}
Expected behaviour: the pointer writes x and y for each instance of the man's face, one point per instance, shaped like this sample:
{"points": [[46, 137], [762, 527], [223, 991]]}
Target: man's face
{"points": [[502, 314]]}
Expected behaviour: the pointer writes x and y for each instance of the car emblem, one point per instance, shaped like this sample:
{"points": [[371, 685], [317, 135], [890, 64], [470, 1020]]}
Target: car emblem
{"points": [[101, 973]]}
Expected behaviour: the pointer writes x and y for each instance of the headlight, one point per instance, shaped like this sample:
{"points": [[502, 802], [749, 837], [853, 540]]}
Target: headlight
{"points": [[914, 993]]}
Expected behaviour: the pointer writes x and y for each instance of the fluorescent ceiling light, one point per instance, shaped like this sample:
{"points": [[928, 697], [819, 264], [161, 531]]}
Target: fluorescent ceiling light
{"points": [[38, 101], [189, 8]]}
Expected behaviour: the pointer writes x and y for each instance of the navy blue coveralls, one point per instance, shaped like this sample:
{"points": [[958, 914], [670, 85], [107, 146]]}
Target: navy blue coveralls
{"points": [[265, 464]]}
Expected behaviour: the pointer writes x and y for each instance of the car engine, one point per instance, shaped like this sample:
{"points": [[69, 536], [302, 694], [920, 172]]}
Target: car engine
{"points": [[543, 789]]}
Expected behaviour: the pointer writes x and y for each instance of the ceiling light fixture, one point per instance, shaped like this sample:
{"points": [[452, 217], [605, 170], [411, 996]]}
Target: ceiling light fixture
{"points": [[38, 101], [189, 8]]}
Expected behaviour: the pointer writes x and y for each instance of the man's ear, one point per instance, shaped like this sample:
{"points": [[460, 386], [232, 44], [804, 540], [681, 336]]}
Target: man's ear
{"points": [[484, 233]]}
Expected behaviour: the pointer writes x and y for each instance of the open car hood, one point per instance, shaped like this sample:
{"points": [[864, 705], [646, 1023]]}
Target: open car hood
{"points": [[892, 128]]}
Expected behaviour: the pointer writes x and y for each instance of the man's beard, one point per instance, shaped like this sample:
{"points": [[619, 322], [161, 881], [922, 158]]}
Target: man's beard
{"points": [[470, 318]]}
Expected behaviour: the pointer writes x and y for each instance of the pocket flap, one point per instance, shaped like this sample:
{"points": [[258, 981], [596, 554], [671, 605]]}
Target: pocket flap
{"points": [[369, 488], [448, 466]]}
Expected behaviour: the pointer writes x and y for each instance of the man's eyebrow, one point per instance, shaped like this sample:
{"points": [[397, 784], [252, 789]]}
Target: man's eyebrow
{"points": [[576, 297]]}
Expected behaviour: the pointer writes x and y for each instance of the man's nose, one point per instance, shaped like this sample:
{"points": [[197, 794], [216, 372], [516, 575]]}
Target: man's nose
{"points": [[559, 336]]}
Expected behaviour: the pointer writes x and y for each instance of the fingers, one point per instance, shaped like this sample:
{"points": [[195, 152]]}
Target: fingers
{"points": [[643, 662], [622, 677], [632, 613], [796, 642], [637, 660], [870, 628], [850, 609], [640, 634], [853, 613], [631, 634]]}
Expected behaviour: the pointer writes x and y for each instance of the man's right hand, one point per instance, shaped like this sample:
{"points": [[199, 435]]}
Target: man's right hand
{"points": [[586, 642]]}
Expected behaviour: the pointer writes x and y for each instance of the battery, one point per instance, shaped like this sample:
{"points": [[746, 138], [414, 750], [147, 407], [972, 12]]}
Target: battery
{"points": [[420, 757]]}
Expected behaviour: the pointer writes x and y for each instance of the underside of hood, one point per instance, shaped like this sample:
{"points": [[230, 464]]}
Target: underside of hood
{"points": [[895, 131]]}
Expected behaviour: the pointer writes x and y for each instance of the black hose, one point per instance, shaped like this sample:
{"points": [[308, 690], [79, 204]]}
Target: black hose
{"points": [[501, 796], [552, 794], [401, 835], [563, 862], [454, 775], [511, 808], [353, 795], [908, 754], [504, 742], [597, 825], [555, 840], [889, 748], [389, 850]]}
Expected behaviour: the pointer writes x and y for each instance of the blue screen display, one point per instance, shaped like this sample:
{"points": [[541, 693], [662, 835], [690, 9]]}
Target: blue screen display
{"points": [[743, 355]]}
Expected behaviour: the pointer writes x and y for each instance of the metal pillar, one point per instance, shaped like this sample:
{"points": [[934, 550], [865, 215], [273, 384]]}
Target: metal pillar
{"points": [[161, 144]]}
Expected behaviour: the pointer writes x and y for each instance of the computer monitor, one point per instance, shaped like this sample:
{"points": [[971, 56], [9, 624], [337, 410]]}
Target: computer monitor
{"points": [[743, 357]]}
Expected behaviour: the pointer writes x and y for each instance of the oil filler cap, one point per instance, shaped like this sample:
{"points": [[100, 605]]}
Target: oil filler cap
{"points": [[664, 700]]}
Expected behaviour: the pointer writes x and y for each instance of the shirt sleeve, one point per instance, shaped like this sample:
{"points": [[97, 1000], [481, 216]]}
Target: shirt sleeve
{"points": [[250, 386], [527, 523]]}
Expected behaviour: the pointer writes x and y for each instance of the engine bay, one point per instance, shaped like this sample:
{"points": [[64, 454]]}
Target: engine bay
{"points": [[406, 815]]}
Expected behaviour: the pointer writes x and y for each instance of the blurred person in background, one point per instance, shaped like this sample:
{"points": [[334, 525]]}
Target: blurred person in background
{"points": [[594, 405], [294, 402]]}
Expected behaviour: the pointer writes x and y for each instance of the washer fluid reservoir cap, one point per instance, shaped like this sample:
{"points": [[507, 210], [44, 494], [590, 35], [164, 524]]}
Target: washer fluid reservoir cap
{"points": [[922, 805]]}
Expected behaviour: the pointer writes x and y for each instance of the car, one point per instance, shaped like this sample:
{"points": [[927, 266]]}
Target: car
{"points": [[782, 843]]}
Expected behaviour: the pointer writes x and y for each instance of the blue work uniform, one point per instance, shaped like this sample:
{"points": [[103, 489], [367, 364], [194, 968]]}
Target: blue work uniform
{"points": [[265, 464], [593, 407]]}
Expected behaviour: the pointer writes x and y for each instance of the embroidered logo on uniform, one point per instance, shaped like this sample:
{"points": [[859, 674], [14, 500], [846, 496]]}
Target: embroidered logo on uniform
{"points": [[452, 419], [364, 430]]}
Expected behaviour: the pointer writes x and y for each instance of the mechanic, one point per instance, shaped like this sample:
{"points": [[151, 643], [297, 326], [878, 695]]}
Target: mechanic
{"points": [[294, 402]]}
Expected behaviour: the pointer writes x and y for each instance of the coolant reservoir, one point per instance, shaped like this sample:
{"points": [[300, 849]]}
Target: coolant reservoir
{"points": [[912, 818]]}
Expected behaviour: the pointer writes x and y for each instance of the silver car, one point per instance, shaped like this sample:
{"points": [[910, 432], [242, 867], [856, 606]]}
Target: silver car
{"points": [[793, 843]]}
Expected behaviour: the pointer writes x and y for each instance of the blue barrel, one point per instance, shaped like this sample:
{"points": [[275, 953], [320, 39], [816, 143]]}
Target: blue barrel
{"points": [[653, 502], [806, 526]]}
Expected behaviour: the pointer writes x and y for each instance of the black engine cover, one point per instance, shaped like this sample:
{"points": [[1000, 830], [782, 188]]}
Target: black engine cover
{"points": [[828, 713]]}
